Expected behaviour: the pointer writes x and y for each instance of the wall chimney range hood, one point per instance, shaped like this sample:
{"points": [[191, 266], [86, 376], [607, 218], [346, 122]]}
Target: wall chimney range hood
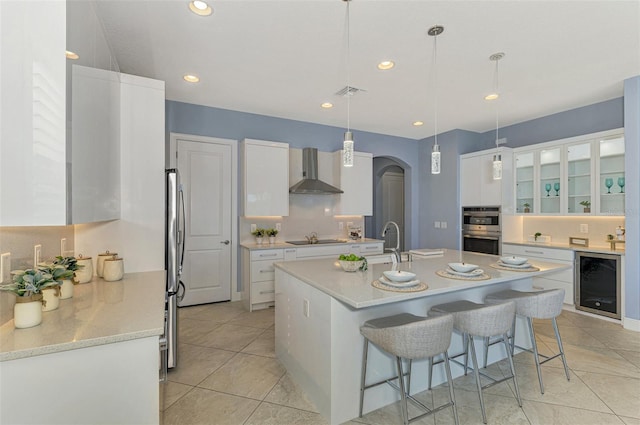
{"points": [[310, 185]]}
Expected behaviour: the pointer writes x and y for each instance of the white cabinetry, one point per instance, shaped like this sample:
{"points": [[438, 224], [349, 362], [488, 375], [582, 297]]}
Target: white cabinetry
{"points": [[477, 186], [266, 178], [357, 184], [563, 279], [32, 113]]}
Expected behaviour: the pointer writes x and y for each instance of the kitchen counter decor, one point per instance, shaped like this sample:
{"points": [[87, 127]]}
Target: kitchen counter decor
{"points": [[70, 264], [272, 235], [259, 235], [27, 286], [451, 274], [51, 295], [352, 262], [84, 274], [420, 286], [101, 258], [526, 267]]}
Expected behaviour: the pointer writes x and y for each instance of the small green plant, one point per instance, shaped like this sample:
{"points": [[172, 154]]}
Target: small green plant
{"points": [[585, 204], [29, 282], [609, 237], [58, 272], [354, 257], [526, 205], [259, 232], [536, 236], [271, 232], [70, 263]]}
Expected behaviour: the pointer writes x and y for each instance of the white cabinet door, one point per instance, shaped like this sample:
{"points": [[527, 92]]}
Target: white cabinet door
{"points": [[356, 183], [470, 181], [477, 186], [32, 113], [266, 178]]}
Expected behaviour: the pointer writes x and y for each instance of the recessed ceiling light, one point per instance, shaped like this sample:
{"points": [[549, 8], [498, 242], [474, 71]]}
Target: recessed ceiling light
{"points": [[327, 105], [71, 55], [492, 96], [417, 123], [384, 65], [200, 8], [191, 78]]}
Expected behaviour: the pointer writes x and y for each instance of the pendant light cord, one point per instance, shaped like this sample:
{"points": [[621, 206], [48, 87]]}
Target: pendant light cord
{"points": [[497, 91], [348, 67], [435, 86]]}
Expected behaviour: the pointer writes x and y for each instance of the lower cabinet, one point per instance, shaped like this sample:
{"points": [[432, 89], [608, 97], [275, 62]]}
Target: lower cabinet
{"points": [[563, 279]]}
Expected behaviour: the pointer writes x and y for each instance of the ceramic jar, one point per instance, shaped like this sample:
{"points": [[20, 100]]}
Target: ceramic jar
{"points": [[28, 311], [113, 269], [51, 298], [101, 258], [66, 289], [85, 273]]}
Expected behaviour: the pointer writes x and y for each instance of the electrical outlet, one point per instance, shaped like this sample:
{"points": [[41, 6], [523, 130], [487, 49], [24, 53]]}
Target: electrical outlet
{"points": [[584, 228], [37, 253], [341, 225], [436, 224], [5, 267], [443, 225], [63, 246], [349, 223], [305, 308], [253, 227], [279, 227]]}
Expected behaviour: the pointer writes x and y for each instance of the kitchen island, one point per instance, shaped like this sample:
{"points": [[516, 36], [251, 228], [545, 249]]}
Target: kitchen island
{"points": [[93, 360], [320, 308]]}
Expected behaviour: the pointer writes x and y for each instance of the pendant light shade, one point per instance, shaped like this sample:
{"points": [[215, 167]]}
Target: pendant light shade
{"points": [[347, 150], [497, 167], [434, 32], [497, 158], [435, 159]]}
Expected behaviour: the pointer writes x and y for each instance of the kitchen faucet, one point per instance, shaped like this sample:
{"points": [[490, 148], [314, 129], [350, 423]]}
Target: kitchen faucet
{"points": [[396, 250]]}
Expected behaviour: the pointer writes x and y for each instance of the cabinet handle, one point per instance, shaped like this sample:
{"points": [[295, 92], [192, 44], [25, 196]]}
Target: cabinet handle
{"points": [[369, 248], [534, 252], [268, 255], [272, 291], [271, 270]]}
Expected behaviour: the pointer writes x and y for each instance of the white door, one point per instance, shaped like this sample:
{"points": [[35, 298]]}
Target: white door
{"points": [[205, 173], [393, 207]]}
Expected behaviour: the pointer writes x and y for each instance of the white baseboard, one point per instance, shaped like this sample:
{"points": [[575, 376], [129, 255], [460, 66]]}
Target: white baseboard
{"points": [[631, 324]]}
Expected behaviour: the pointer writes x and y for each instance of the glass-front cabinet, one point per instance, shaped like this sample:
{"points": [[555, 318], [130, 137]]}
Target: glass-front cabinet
{"points": [[611, 176], [580, 175]]}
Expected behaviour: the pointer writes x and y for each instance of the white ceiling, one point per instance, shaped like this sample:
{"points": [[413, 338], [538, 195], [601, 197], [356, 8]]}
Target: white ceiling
{"points": [[284, 58]]}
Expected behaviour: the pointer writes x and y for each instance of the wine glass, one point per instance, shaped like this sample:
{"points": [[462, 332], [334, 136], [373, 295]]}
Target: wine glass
{"points": [[608, 183], [556, 187], [621, 184], [547, 187]]}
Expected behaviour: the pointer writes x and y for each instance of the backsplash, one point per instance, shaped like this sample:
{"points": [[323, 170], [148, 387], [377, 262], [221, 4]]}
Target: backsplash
{"points": [[19, 241], [561, 228]]}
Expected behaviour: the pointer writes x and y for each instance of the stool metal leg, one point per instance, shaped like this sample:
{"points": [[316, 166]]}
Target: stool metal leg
{"points": [[505, 339], [486, 350], [403, 394], [452, 397], [477, 375], [465, 338], [364, 374], [536, 356], [431, 370], [564, 360], [513, 336], [409, 378]]}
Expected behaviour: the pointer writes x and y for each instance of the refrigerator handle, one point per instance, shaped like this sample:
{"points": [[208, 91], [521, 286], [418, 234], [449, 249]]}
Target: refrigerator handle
{"points": [[182, 230]]}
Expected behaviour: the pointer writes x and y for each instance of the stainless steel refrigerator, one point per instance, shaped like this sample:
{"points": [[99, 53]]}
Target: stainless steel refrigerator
{"points": [[174, 256]]}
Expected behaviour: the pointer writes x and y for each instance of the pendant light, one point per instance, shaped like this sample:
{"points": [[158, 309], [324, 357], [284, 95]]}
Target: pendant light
{"points": [[435, 31], [497, 158], [347, 145]]}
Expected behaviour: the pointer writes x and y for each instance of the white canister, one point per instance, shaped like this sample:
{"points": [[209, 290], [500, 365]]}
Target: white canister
{"points": [[66, 289], [113, 269], [28, 311], [51, 298], [101, 257], [85, 273]]}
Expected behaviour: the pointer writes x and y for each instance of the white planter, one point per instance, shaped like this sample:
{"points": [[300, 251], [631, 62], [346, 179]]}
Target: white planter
{"points": [[66, 289], [50, 298], [272, 239], [27, 312], [259, 240], [84, 274]]}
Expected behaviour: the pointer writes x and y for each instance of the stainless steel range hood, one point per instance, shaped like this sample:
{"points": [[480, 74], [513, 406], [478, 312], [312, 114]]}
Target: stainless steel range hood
{"points": [[310, 185]]}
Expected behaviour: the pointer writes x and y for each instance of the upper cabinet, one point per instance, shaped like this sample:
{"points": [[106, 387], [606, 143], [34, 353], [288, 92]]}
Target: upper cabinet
{"points": [[32, 113], [266, 178], [357, 184], [572, 176], [477, 186]]}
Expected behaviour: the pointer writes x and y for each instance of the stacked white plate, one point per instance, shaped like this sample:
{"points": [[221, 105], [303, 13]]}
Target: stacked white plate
{"points": [[399, 278], [514, 262], [464, 269]]}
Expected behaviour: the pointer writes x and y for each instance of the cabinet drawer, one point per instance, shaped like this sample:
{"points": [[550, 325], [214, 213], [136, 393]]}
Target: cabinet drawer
{"points": [[322, 251], [538, 252], [267, 254], [262, 270], [263, 292], [371, 248], [545, 283]]}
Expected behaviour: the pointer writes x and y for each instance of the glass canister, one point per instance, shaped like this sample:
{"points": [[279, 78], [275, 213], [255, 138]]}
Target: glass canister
{"points": [[113, 269], [101, 258], [85, 273]]}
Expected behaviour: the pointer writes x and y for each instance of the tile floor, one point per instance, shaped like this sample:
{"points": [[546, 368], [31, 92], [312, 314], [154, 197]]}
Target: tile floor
{"points": [[228, 374]]}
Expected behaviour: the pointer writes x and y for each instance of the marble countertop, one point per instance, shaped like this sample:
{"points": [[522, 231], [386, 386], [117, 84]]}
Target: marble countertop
{"points": [[560, 245], [283, 244], [355, 290], [99, 313]]}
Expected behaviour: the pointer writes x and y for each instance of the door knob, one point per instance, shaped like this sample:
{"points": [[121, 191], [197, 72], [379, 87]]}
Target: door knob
{"points": [[225, 242]]}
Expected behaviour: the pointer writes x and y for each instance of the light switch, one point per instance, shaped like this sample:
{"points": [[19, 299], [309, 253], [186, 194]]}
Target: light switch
{"points": [[584, 228], [5, 267], [63, 246], [37, 252], [279, 227], [443, 225], [436, 224], [253, 227], [341, 225]]}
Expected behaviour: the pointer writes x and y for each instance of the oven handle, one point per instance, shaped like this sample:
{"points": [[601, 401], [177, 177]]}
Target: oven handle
{"points": [[492, 238]]}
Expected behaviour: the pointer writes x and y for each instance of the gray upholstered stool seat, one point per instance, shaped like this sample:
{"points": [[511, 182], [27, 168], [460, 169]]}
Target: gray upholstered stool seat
{"points": [[408, 337], [534, 305], [473, 319]]}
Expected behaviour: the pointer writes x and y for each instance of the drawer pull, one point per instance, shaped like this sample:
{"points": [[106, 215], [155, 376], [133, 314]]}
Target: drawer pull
{"points": [[534, 252], [267, 270], [370, 247], [268, 255], [272, 291]]}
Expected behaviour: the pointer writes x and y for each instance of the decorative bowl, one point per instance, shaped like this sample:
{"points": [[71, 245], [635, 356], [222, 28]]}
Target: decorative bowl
{"points": [[463, 267], [399, 275], [351, 266], [515, 261]]}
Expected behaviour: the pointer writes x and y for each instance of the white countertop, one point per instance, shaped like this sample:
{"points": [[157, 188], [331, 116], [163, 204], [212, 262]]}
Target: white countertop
{"points": [[282, 244], [99, 313], [559, 245], [355, 290]]}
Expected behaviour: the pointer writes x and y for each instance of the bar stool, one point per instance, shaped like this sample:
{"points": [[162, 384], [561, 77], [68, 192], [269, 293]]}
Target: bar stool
{"points": [[473, 319], [534, 305], [409, 337]]}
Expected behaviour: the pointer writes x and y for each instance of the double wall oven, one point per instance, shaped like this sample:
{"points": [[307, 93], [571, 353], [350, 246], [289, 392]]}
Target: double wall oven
{"points": [[481, 230]]}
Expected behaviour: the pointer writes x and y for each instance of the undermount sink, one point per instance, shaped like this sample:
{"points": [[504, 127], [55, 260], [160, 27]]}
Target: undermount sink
{"points": [[318, 242]]}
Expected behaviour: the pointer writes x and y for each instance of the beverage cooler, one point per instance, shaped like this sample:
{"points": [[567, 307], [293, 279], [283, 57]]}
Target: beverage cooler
{"points": [[597, 280]]}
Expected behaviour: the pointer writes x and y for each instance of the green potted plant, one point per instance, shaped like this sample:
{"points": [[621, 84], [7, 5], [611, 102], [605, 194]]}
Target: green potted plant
{"points": [[272, 235], [51, 294], [27, 286], [71, 265], [586, 205], [527, 207], [259, 234], [536, 236]]}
